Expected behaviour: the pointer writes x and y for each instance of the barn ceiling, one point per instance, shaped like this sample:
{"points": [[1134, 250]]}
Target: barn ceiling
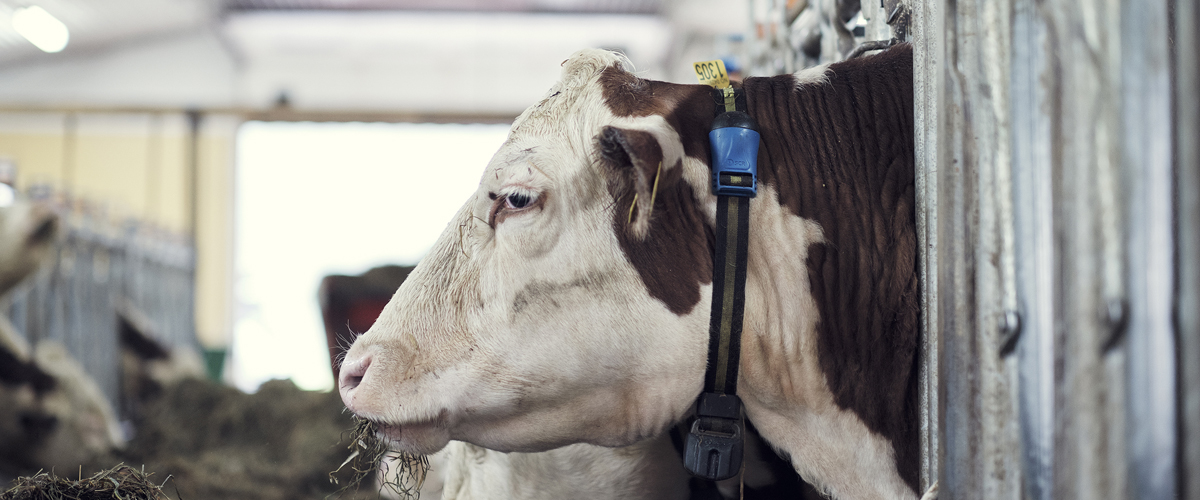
{"points": [[472, 56], [570, 6], [103, 24]]}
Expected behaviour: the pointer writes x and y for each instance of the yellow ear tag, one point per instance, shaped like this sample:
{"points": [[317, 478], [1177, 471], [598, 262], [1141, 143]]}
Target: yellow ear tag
{"points": [[712, 73]]}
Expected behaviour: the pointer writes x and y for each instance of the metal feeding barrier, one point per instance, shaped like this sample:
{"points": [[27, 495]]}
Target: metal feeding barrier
{"points": [[99, 275]]}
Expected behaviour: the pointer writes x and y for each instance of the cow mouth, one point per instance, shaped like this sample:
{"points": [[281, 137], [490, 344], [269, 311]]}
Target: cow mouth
{"points": [[419, 437]]}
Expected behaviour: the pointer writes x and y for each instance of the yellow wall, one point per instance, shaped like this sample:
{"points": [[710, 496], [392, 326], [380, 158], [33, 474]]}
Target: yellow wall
{"points": [[137, 165]]}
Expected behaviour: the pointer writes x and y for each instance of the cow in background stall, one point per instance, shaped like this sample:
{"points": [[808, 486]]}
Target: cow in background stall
{"points": [[350, 305], [52, 414], [568, 300]]}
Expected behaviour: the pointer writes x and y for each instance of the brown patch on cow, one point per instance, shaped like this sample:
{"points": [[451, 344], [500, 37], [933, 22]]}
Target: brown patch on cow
{"points": [[674, 255], [687, 108], [842, 154]]}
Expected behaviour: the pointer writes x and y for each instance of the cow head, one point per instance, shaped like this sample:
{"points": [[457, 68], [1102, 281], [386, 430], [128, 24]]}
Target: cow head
{"points": [[568, 300], [27, 232]]}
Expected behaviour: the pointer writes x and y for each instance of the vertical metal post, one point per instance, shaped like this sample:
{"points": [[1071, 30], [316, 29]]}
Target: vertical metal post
{"points": [[928, 87], [1146, 139], [1033, 218], [193, 158], [70, 137], [1187, 206]]}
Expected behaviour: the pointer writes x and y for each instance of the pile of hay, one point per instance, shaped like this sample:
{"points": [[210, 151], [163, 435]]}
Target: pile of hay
{"points": [[121, 482], [217, 442]]}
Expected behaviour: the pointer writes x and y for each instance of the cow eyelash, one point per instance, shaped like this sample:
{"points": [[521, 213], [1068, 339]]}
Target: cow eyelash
{"points": [[512, 202], [518, 201]]}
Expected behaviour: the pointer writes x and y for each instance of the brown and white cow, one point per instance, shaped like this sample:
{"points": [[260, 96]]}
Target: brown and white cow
{"points": [[560, 308]]}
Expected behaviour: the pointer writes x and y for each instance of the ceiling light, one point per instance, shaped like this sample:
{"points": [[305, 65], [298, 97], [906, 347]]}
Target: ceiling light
{"points": [[40, 28]]}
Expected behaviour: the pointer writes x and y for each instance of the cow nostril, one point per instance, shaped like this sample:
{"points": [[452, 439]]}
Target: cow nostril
{"points": [[352, 373]]}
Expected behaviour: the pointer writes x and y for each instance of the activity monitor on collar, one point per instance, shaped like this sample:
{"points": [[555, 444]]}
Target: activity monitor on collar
{"points": [[734, 140]]}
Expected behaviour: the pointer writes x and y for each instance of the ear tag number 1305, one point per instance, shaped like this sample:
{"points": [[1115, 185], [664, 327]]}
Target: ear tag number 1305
{"points": [[712, 73]]}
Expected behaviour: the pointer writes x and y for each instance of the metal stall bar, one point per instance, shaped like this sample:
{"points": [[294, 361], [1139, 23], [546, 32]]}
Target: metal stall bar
{"points": [[1082, 82], [1033, 217], [1187, 206], [1146, 111], [965, 205], [928, 87]]}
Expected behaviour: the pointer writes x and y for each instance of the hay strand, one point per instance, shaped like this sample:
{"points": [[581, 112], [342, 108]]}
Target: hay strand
{"points": [[369, 454], [122, 482]]}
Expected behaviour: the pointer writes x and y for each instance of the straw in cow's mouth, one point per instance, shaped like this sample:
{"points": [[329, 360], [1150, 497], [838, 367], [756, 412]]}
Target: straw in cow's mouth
{"points": [[370, 453]]}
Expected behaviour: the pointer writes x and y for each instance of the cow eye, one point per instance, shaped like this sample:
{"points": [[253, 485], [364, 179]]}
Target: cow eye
{"points": [[514, 203], [517, 201]]}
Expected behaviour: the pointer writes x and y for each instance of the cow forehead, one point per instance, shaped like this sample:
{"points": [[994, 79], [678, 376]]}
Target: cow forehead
{"points": [[560, 151]]}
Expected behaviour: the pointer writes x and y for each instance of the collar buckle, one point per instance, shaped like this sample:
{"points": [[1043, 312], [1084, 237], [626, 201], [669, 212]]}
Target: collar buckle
{"points": [[714, 445]]}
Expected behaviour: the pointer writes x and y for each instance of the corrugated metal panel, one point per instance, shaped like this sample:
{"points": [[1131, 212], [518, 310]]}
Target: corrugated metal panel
{"points": [[1057, 181], [1079, 96]]}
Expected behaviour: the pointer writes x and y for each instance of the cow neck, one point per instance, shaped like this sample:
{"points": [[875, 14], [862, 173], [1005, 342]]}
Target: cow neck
{"points": [[714, 445]]}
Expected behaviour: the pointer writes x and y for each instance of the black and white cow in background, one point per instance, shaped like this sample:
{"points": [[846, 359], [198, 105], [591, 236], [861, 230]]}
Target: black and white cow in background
{"points": [[52, 414], [556, 309]]}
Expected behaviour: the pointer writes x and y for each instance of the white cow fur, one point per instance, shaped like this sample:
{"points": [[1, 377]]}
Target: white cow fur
{"points": [[591, 357], [649, 470]]}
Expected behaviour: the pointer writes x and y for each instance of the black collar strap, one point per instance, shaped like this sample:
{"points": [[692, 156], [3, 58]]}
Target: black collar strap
{"points": [[714, 445]]}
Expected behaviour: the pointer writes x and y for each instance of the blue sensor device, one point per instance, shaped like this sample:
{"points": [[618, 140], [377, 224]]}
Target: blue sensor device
{"points": [[734, 140]]}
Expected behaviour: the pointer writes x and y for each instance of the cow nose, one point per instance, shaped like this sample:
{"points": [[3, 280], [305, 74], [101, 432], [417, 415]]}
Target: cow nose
{"points": [[351, 375]]}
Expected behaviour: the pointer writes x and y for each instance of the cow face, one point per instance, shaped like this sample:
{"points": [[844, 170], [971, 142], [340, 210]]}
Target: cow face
{"points": [[567, 301]]}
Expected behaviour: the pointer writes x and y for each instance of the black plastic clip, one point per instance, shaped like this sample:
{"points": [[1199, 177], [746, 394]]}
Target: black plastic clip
{"points": [[714, 446]]}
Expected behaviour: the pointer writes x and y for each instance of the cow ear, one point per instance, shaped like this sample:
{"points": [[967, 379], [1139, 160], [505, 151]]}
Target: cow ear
{"points": [[637, 174]]}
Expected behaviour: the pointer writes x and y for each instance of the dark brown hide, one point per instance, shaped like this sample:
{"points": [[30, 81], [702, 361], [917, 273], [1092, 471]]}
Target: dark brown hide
{"points": [[674, 258], [842, 154], [15, 372], [687, 108]]}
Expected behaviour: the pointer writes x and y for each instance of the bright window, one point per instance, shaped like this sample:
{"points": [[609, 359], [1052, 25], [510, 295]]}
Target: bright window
{"points": [[318, 198]]}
